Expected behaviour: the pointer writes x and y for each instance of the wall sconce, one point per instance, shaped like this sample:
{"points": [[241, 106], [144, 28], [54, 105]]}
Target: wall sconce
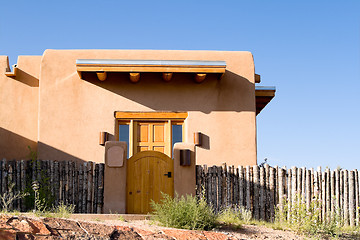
{"points": [[197, 138], [185, 157], [103, 138]]}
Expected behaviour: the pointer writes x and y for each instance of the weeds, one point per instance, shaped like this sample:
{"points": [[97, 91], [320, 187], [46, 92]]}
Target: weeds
{"points": [[194, 213], [234, 216], [40, 204], [60, 211], [63, 210], [184, 212], [7, 198], [43, 180], [301, 219]]}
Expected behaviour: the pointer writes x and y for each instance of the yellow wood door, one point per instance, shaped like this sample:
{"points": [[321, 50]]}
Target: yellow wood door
{"points": [[153, 136], [148, 174]]}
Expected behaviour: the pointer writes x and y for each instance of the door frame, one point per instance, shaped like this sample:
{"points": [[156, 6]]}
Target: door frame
{"points": [[151, 123], [130, 118]]}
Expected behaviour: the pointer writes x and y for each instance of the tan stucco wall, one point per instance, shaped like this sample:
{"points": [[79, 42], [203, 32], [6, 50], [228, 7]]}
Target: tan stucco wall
{"points": [[73, 111], [115, 181], [19, 107], [184, 176]]}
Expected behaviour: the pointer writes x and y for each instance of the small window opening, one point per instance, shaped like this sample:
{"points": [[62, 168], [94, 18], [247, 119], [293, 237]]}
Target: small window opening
{"points": [[124, 135]]}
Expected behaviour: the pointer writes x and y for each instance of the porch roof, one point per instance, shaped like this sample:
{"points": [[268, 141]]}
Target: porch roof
{"points": [[263, 96], [135, 67]]}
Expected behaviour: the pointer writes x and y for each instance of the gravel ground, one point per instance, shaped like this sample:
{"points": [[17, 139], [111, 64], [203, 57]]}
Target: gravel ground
{"points": [[245, 232]]}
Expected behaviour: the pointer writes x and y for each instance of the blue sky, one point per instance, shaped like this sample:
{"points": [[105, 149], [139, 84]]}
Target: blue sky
{"points": [[309, 50]]}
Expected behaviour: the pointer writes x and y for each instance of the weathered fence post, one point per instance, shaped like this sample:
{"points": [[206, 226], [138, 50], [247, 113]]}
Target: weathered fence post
{"points": [[323, 196], [219, 188], [262, 193], [333, 196], [356, 197], [241, 185], [337, 192], [101, 188], [248, 188], [280, 187], [308, 189], [346, 197], [272, 194], [299, 183], [303, 183], [23, 183], [289, 197], [256, 192], [351, 198], [267, 191], [10, 181], [18, 184]]}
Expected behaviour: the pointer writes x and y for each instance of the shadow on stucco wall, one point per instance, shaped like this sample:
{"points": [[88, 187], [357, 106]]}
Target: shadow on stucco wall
{"points": [[16, 147], [47, 152], [231, 93], [205, 141], [26, 78]]}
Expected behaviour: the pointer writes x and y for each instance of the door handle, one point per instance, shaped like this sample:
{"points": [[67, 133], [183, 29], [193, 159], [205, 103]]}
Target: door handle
{"points": [[168, 174]]}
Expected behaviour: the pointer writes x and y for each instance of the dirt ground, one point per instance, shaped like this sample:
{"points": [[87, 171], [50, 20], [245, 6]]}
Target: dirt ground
{"points": [[21, 227]]}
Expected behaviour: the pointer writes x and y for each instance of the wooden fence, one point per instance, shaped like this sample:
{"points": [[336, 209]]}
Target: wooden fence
{"points": [[81, 184], [262, 189]]}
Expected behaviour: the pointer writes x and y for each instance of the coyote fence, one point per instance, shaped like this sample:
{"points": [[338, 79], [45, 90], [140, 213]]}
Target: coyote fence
{"points": [[80, 184], [264, 189]]}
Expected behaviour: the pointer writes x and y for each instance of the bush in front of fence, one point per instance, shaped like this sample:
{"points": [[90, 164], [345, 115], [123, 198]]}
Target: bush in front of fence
{"points": [[234, 216], [192, 212], [184, 212], [7, 198], [301, 218]]}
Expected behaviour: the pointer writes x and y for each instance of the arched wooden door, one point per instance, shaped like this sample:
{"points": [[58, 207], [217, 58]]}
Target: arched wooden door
{"points": [[148, 174]]}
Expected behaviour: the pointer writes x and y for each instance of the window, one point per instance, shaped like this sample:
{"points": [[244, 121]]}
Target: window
{"points": [[124, 135], [157, 131], [176, 134]]}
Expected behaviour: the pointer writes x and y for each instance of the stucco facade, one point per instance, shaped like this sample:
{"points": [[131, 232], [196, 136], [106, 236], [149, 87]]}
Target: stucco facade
{"points": [[19, 101], [48, 105]]}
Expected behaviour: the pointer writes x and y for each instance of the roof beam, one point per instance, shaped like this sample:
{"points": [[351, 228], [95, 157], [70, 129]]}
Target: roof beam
{"points": [[167, 76], [134, 77], [101, 76], [200, 77], [263, 96], [257, 78], [13, 73]]}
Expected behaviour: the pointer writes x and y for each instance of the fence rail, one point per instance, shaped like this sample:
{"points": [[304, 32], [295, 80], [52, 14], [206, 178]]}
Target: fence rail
{"points": [[262, 189], [81, 184]]}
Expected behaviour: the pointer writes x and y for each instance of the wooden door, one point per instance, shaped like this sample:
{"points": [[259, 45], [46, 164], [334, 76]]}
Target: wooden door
{"points": [[153, 136], [148, 174]]}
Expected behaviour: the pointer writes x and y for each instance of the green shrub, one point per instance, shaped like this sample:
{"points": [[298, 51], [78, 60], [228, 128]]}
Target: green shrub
{"points": [[301, 219], [184, 212], [63, 210], [60, 211], [7, 198], [44, 188], [234, 216]]}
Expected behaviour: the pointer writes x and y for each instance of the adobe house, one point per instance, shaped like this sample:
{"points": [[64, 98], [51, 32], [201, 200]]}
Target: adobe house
{"points": [[149, 115]]}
